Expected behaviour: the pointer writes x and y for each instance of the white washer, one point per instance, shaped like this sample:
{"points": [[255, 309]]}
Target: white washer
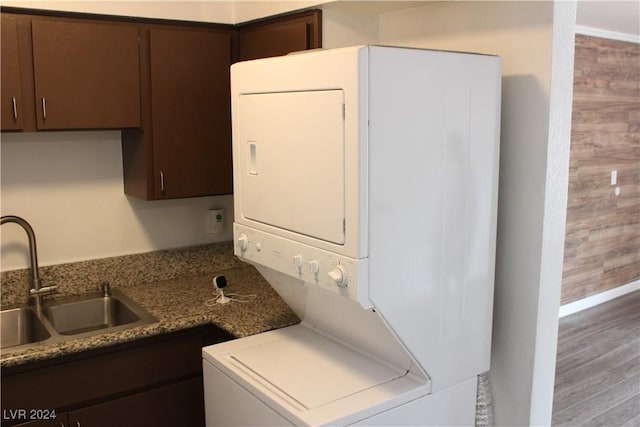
{"points": [[366, 194], [297, 376]]}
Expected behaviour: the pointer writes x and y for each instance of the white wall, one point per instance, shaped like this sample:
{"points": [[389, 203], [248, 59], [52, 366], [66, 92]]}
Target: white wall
{"points": [[620, 19], [68, 185], [247, 10], [535, 42]]}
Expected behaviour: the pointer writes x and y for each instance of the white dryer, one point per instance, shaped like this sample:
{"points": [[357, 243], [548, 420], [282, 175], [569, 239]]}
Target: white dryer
{"points": [[366, 194]]}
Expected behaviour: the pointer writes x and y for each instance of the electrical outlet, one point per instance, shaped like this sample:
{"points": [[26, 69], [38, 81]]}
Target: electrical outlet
{"points": [[215, 221]]}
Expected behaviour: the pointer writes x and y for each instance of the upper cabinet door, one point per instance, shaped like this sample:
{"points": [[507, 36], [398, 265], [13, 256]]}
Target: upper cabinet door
{"points": [[281, 36], [273, 40], [87, 75], [191, 112], [11, 107]]}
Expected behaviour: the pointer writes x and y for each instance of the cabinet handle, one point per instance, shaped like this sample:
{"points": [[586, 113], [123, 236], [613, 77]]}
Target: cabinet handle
{"points": [[78, 423], [162, 182], [15, 108], [44, 109]]}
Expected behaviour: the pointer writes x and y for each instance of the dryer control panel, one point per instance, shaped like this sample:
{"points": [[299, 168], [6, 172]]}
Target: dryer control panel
{"points": [[336, 273]]}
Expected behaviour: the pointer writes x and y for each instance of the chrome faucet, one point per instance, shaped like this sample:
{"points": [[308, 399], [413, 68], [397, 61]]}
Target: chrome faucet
{"points": [[36, 292], [105, 289]]}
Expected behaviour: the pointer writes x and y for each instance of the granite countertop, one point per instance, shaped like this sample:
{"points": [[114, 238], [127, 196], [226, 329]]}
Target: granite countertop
{"points": [[181, 304]]}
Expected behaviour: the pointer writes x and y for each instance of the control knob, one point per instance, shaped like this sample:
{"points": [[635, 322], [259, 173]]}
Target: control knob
{"points": [[243, 242], [338, 275]]}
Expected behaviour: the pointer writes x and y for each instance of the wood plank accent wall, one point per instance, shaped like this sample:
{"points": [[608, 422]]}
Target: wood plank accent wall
{"points": [[602, 247]]}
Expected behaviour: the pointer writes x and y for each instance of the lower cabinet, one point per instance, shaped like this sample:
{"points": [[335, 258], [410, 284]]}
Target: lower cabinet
{"points": [[173, 405], [152, 382], [177, 404]]}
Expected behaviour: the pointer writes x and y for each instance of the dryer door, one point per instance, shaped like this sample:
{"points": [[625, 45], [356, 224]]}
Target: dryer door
{"points": [[292, 169]]}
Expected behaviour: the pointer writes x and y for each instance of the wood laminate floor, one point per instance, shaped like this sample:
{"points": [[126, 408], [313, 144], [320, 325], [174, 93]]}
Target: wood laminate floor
{"points": [[598, 366]]}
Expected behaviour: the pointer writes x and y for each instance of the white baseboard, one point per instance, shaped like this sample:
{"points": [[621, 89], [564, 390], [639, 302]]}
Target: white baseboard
{"points": [[593, 300], [606, 34]]}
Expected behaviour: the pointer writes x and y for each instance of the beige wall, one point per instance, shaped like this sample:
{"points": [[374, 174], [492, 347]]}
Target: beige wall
{"points": [[219, 11], [222, 12]]}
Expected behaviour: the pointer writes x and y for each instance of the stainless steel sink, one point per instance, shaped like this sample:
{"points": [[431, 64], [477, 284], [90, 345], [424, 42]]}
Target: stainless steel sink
{"points": [[78, 317], [21, 326], [71, 317], [93, 313]]}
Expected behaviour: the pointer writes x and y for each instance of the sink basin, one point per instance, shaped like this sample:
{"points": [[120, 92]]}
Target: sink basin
{"points": [[63, 319], [89, 315], [86, 314], [21, 326]]}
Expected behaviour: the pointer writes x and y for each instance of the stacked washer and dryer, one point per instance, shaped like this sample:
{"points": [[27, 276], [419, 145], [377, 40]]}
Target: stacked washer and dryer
{"points": [[366, 194]]}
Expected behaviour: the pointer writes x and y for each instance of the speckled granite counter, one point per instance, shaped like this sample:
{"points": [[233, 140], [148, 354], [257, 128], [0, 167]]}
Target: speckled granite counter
{"points": [[181, 304]]}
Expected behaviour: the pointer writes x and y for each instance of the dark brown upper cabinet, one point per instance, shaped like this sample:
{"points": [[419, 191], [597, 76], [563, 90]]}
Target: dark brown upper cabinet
{"points": [[11, 95], [184, 149], [66, 73], [86, 75], [191, 112], [281, 35]]}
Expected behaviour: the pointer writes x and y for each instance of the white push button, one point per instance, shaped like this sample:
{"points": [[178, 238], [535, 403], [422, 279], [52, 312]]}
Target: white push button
{"points": [[314, 266]]}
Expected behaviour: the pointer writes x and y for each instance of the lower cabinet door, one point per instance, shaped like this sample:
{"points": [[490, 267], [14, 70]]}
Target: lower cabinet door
{"points": [[179, 404], [60, 420]]}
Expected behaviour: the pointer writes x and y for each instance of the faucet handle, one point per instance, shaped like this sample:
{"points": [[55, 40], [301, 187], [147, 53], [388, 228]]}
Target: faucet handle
{"points": [[46, 290], [105, 288]]}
